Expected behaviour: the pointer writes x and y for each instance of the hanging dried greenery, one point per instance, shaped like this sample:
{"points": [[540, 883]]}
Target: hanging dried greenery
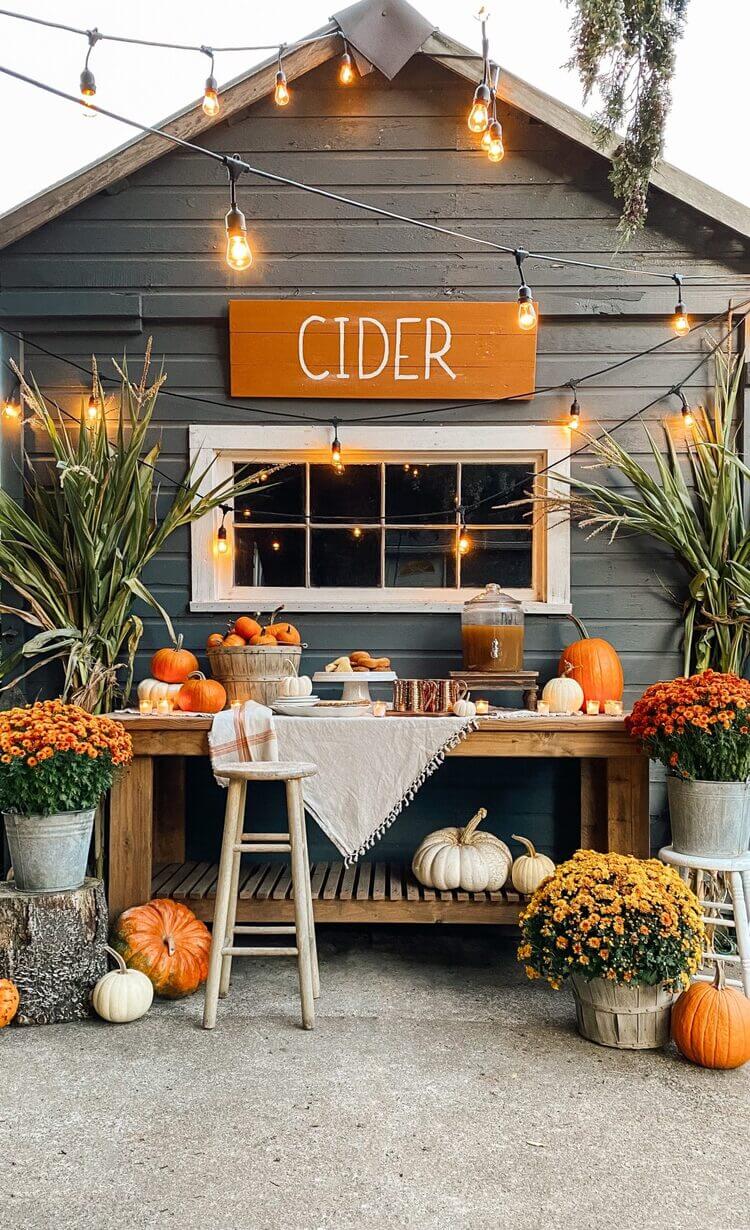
{"points": [[625, 49]]}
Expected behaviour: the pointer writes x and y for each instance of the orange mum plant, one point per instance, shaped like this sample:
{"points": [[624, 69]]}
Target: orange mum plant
{"points": [[613, 916], [57, 757], [699, 727]]}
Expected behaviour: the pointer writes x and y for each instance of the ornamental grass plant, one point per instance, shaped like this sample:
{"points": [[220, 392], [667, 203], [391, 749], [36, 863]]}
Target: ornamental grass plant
{"points": [[56, 757], [631, 921], [698, 727]]}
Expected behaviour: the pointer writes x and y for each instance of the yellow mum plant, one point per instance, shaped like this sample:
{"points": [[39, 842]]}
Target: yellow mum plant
{"points": [[613, 916]]}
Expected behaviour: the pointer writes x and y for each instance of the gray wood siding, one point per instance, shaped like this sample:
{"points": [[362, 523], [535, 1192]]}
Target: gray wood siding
{"points": [[158, 239]]}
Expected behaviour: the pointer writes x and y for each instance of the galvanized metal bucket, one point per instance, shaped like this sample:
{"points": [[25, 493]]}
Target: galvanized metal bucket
{"points": [[629, 1018], [49, 853], [711, 818]]}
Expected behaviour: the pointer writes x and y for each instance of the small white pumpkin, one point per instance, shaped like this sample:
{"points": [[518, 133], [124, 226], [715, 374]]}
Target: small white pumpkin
{"points": [[123, 994], [462, 858], [296, 685], [154, 690], [530, 869], [563, 694], [464, 708]]}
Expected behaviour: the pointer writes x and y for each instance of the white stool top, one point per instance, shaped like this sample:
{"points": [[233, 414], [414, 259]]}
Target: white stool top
{"points": [[268, 770], [705, 862]]}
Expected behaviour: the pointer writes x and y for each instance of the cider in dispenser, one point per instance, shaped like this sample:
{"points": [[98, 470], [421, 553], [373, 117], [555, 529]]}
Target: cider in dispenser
{"points": [[492, 632]]}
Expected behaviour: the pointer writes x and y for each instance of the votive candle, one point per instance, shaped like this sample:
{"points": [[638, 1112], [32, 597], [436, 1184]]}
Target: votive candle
{"points": [[483, 706], [379, 708], [592, 706], [145, 707], [542, 708], [163, 705], [235, 704], [613, 708]]}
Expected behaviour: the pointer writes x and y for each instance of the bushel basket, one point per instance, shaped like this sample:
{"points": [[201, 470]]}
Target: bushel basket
{"points": [[254, 672]]}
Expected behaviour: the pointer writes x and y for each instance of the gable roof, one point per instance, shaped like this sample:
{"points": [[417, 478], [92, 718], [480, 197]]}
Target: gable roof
{"points": [[384, 33]]}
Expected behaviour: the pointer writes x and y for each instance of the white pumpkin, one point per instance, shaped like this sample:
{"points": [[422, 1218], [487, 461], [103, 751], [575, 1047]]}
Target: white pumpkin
{"points": [[296, 685], [463, 858], [154, 690], [563, 695], [123, 994], [530, 869], [464, 708]]}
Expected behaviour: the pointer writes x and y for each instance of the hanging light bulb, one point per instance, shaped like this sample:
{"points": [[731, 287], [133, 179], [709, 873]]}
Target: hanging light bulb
{"points": [[281, 89], [356, 532], [526, 310], [211, 105], [87, 79], [574, 422], [336, 448], [222, 541], [275, 545], [495, 147], [687, 414], [681, 320], [92, 410], [239, 252], [464, 542], [480, 113], [11, 407], [346, 67], [486, 139]]}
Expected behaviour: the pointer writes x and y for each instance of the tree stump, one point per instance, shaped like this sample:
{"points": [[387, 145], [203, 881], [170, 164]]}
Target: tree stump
{"points": [[52, 946]]}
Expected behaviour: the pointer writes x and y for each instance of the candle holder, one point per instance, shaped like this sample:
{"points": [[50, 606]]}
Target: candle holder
{"points": [[592, 707], [163, 706], [145, 707], [542, 708], [613, 708], [483, 707], [379, 708]]}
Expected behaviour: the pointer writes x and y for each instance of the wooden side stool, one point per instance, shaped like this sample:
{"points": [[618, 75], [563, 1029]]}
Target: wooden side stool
{"points": [[733, 913], [234, 844]]}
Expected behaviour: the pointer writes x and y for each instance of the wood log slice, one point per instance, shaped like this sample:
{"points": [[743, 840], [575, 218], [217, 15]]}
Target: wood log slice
{"points": [[52, 947]]}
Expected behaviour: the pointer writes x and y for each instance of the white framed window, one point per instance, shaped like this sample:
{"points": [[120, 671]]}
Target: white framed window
{"points": [[385, 534]]}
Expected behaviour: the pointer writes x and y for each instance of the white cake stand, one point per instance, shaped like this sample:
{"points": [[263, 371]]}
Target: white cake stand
{"points": [[355, 685]]}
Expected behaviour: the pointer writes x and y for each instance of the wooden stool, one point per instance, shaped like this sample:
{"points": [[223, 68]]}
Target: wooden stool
{"points": [[234, 843], [733, 913]]}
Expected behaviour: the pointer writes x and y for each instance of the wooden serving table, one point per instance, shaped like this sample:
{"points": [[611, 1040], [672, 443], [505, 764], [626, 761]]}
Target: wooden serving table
{"points": [[147, 826]]}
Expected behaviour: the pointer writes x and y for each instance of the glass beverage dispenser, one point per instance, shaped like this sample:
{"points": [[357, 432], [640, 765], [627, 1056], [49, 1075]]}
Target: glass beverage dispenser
{"points": [[492, 632]]}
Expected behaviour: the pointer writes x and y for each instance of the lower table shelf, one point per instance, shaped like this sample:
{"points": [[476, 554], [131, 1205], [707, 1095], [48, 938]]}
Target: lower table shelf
{"points": [[379, 892]]}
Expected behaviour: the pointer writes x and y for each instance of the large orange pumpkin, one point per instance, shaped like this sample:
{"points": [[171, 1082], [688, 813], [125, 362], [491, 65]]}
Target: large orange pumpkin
{"points": [[286, 634], [594, 664], [232, 639], [711, 1023], [167, 943], [9, 1001], [263, 638], [201, 695], [173, 665], [246, 627]]}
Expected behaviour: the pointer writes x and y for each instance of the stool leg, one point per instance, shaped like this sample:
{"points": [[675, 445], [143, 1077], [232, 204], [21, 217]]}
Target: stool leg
{"points": [[300, 883], [308, 894], [221, 905], [234, 888], [742, 927]]}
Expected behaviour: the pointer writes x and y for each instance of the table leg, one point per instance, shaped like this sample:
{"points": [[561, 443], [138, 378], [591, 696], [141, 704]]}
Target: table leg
{"points": [[130, 836], [628, 825], [169, 809], [593, 804]]}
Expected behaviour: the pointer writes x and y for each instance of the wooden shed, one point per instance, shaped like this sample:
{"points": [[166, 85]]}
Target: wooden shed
{"points": [[133, 248]]}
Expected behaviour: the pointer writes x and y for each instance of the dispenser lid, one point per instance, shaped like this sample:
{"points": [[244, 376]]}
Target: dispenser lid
{"points": [[493, 595]]}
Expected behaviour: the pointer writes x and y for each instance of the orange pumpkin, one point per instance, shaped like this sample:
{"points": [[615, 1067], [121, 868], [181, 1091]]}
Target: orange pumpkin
{"points": [[246, 627], [173, 665], [711, 1024], [201, 695], [9, 1000], [214, 640], [167, 943], [234, 639], [594, 664], [286, 634], [263, 638]]}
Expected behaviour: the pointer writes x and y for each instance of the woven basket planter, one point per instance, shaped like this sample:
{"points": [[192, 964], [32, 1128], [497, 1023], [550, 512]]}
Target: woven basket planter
{"points": [[254, 672], [630, 1018]]}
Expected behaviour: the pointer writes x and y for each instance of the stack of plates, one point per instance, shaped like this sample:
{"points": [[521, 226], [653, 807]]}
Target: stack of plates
{"points": [[290, 704], [311, 706]]}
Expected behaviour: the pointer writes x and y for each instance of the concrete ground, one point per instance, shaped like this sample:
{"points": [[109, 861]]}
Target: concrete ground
{"points": [[438, 1089]]}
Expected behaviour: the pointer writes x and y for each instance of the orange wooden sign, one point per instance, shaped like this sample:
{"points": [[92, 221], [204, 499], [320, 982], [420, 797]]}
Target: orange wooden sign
{"points": [[327, 349]]}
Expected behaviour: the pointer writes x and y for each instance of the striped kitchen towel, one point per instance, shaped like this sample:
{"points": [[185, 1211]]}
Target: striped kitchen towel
{"points": [[244, 732]]}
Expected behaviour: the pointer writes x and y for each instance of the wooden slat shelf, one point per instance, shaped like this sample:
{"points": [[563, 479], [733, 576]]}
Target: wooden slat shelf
{"points": [[379, 892]]}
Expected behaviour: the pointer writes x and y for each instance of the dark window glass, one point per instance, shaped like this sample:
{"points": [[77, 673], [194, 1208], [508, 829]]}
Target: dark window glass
{"points": [[418, 492], [425, 558], [496, 556], [355, 493], [278, 495], [491, 484], [345, 558], [269, 557]]}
